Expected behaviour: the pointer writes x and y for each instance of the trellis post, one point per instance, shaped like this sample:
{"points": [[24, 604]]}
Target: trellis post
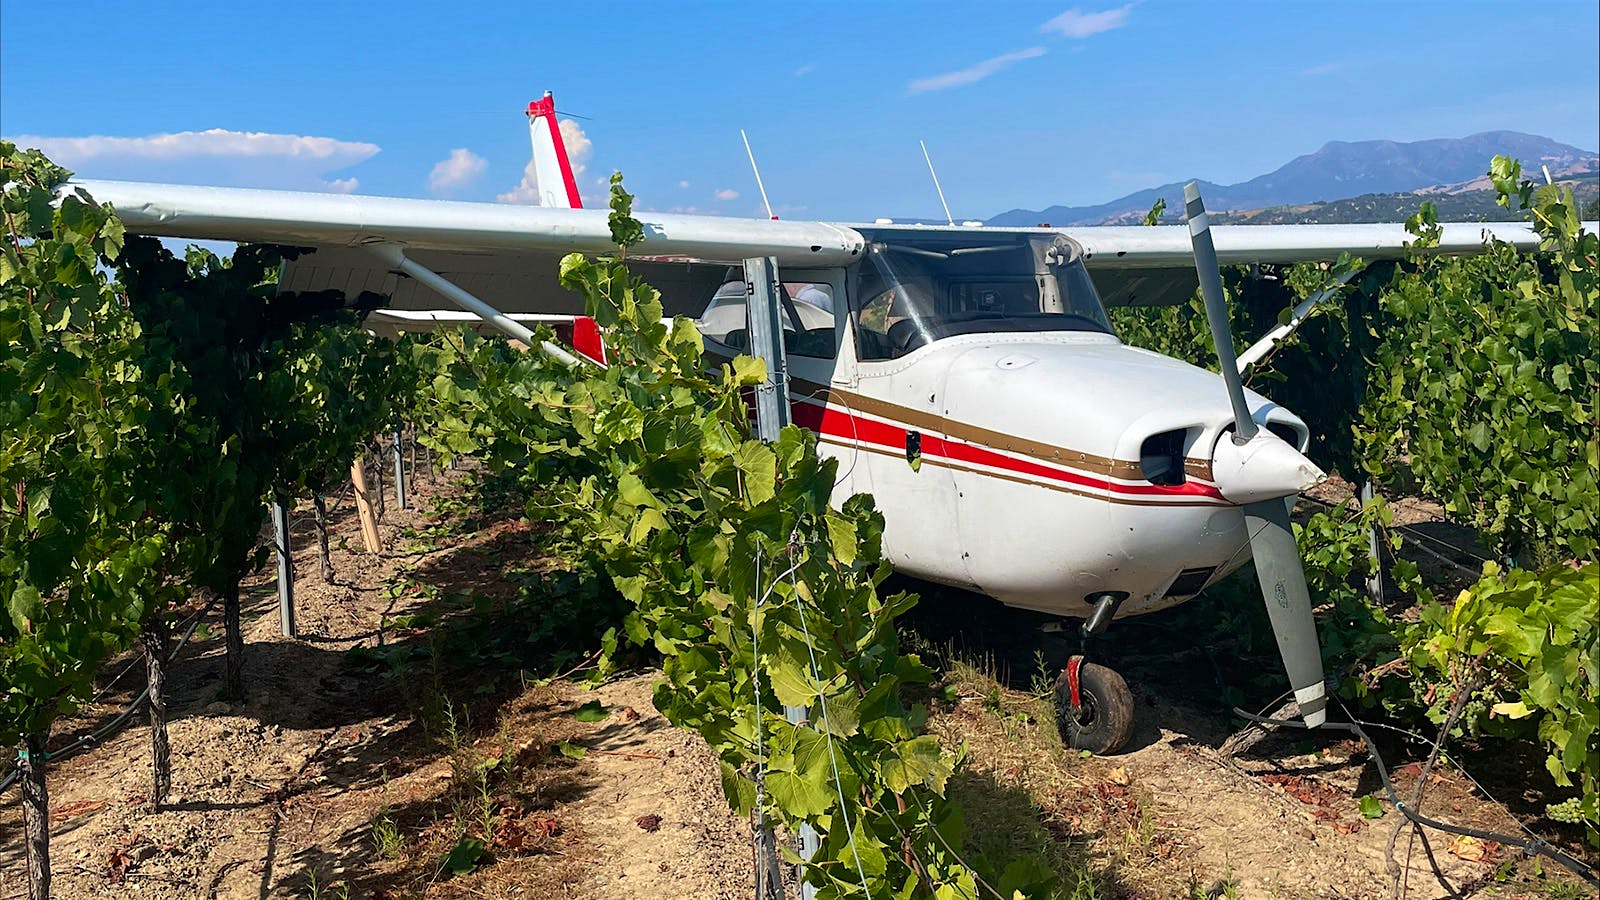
{"points": [[765, 327], [399, 471], [280, 541]]}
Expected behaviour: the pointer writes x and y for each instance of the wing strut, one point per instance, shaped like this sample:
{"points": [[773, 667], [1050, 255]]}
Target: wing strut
{"points": [[1261, 348], [394, 256]]}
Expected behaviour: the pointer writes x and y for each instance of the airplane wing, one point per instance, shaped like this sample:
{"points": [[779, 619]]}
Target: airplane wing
{"points": [[350, 220], [1166, 246], [1135, 265], [506, 255]]}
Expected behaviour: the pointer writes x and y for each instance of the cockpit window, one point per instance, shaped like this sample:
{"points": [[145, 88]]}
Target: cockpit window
{"points": [[916, 289]]}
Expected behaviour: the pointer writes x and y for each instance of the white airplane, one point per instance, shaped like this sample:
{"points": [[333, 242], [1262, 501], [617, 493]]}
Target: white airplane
{"points": [[966, 377]]}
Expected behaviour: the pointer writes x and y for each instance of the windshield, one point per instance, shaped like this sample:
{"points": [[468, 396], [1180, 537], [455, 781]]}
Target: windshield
{"points": [[916, 289]]}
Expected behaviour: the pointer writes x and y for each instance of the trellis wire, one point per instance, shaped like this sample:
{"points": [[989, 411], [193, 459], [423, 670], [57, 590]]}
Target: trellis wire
{"points": [[827, 730]]}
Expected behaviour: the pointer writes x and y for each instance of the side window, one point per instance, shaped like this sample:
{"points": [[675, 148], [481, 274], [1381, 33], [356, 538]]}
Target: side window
{"points": [[806, 310], [872, 324], [811, 303]]}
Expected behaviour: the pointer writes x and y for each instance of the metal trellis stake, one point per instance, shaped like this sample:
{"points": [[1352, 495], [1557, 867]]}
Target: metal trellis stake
{"points": [[280, 541], [765, 325], [399, 471], [1360, 339]]}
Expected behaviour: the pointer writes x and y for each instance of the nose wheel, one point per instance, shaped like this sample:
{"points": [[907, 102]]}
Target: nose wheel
{"points": [[1094, 708]]}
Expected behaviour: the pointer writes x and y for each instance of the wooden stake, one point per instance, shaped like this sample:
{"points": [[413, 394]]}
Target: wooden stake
{"points": [[369, 522]]}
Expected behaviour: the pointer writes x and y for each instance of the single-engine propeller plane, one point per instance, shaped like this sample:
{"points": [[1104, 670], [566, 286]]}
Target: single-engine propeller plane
{"points": [[967, 377]]}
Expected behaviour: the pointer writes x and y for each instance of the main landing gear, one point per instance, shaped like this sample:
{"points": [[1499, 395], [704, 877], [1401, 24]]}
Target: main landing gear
{"points": [[1094, 708]]}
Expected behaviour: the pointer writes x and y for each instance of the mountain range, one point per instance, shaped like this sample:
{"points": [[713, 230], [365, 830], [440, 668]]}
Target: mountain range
{"points": [[1385, 175]]}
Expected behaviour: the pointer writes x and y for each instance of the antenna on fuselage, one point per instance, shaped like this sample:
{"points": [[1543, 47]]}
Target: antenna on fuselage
{"points": [[757, 169], [948, 218]]}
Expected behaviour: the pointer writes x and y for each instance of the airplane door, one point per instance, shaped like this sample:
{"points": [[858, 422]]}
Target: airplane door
{"points": [[818, 369], [816, 366], [897, 407], [902, 429]]}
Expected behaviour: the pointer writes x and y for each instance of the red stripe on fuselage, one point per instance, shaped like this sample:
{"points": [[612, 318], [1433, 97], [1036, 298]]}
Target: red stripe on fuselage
{"points": [[834, 422]]}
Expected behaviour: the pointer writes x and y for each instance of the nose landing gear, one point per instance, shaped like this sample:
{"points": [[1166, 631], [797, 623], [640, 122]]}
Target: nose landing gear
{"points": [[1094, 708]]}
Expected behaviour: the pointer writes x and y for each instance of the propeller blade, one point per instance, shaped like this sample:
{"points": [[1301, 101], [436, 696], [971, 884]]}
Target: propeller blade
{"points": [[1205, 266], [1263, 468], [1283, 586]]}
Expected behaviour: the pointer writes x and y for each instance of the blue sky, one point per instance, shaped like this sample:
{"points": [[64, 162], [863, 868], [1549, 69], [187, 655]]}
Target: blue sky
{"points": [[1021, 104]]}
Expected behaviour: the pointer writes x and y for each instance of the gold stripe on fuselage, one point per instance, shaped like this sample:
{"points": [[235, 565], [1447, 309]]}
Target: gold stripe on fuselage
{"points": [[1127, 470]]}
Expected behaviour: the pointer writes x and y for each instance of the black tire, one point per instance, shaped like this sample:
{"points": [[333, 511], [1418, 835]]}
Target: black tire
{"points": [[1105, 720]]}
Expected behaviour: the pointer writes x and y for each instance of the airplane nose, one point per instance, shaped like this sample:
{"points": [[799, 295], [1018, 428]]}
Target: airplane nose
{"points": [[1262, 468]]}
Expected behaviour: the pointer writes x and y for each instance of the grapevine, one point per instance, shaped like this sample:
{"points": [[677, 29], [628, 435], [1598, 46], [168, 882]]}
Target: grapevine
{"points": [[146, 419], [77, 549], [1485, 385], [739, 572]]}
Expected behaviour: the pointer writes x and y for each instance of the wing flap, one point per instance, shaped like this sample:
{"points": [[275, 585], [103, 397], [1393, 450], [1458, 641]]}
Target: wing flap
{"points": [[514, 283]]}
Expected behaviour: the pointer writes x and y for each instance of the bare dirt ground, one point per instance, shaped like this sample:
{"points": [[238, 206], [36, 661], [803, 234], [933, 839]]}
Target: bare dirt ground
{"points": [[1184, 811], [366, 773], [282, 795], [1176, 817]]}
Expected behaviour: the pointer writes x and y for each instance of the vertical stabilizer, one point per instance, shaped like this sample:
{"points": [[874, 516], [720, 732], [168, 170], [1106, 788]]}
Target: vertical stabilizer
{"points": [[552, 172], [551, 168]]}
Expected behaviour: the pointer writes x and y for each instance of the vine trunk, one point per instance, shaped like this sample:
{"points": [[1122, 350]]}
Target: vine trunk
{"points": [[35, 816], [233, 637], [323, 556], [154, 639]]}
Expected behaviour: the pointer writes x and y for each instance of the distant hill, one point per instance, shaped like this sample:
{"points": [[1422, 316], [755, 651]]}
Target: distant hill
{"points": [[1472, 201], [1377, 174]]}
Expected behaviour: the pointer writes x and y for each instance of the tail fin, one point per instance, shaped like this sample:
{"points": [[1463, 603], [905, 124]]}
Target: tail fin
{"points": [[557, 188], [551, 168]]}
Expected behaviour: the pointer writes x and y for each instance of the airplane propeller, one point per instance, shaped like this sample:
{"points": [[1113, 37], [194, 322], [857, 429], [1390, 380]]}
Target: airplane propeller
{"points": [[1257, 469]]}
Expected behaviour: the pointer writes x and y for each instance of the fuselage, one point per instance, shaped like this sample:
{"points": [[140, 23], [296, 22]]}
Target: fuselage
{"points": [[1025, 480], [1027, 455]]}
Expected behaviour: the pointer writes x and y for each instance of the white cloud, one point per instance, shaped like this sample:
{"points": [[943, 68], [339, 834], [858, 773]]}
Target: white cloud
{"points": [[217, 156], [1076, 24], [579, 149], [1324, 69], [342, 185], [456, 171], [973, 73], [726, 194], [683, 184], [76, 151], [803, 71]]}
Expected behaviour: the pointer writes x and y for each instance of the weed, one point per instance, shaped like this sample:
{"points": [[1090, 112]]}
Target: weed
{"points": [[510, 774], [454, 728], [1042, 686], [487, 817], [386, 837], [1565, 889], [316, 890], [1146, 830]]}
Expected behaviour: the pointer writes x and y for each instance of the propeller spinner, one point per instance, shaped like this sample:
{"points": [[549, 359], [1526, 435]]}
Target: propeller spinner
{"points": [[1258, 470]]}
